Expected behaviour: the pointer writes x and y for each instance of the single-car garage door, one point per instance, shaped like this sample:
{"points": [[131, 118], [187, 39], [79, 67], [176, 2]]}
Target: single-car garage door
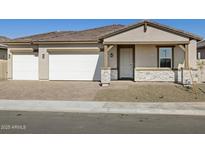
{"points": [[75, 65], [25, 66]]}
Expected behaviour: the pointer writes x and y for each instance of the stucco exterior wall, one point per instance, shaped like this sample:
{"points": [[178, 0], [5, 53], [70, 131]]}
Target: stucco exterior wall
{"points": [[9, 64], [112, 61], [145, 56], [43, 63], [151, 35], [178, 57], [192, 47]]}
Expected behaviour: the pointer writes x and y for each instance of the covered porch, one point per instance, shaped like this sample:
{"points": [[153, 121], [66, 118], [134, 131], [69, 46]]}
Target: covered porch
{"points": [[148, 51], [159, 62]]}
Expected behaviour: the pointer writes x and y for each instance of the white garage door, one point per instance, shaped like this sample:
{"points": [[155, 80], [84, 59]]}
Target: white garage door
{"points": [[25, 67], [75, 66]]}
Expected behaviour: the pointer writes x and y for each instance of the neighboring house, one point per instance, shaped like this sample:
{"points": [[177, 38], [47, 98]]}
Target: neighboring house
{"points": [[3, 48], [145, 51], [201, 50]]}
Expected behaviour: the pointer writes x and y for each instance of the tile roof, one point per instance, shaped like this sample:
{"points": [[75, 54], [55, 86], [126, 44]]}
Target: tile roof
{"points": [[37, 37], [84, 35]]}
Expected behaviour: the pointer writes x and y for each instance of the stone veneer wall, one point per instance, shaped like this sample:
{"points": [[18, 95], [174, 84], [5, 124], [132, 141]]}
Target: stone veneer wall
{"points": [[105, 76], [155, 75], [188, 76], [178, 76], [114, 74]]}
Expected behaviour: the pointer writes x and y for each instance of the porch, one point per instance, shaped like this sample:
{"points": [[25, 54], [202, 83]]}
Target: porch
{"points": [[148, 62], [148, 51]]}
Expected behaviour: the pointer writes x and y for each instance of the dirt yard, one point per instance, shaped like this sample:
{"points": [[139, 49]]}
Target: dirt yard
{"points": [[152, 92], [91, 91]]}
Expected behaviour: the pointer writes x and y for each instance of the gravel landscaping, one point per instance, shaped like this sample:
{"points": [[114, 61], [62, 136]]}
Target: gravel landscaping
{"points": [[91, 91]]}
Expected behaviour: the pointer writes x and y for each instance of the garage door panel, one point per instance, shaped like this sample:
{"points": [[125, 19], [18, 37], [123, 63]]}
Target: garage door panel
{"points": [[74, 66], [25, 67]]}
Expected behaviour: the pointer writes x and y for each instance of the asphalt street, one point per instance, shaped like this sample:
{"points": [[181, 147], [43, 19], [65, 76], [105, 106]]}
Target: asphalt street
{"points": [[97, 123]]}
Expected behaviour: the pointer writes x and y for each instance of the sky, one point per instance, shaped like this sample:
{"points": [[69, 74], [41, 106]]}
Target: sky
{"points": [[14, 28]]}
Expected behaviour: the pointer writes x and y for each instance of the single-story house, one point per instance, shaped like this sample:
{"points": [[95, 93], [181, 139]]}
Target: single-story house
{"points": [[145, 51], [201, 50]]}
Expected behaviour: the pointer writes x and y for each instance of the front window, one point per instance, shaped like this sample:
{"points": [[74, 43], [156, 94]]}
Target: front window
{"points": [[165, 57]]}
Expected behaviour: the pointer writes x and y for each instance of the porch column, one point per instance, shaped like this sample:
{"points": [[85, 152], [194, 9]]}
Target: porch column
{"points": [[106, 70], [185, 79], [105, 56], [187, 74], [186, 57]]}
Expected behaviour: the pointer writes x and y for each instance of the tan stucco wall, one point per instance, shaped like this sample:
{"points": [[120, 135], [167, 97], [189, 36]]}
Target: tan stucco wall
{"points": [[192, 47], [9, 66], [151, 35], [178, 57], [43, 63], [145, 56], [112, 61]]}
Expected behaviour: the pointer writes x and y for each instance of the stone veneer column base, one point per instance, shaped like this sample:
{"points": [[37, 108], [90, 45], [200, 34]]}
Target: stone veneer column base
{"points": [[188, 75], [105, 76]]}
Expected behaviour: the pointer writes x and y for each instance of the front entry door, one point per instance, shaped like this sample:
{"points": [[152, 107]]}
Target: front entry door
{"points": [[126, 63]]}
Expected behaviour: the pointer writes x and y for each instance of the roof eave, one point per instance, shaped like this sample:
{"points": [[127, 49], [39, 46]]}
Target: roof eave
{"points": [[16, 43], [64, 42]]}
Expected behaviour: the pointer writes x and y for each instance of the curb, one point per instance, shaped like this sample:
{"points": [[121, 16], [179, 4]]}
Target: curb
{"points": [[171, 108]]}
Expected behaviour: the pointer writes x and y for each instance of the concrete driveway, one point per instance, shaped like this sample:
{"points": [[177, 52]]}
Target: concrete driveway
{"points": [[124, 91], [48, 90]]}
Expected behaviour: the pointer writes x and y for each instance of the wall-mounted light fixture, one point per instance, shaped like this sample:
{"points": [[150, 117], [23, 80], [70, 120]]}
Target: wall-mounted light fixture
{"points": [[111, 55], [43, 56]]}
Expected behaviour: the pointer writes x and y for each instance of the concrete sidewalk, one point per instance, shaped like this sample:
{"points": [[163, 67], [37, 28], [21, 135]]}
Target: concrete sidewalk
{"points": [[177, 108]]}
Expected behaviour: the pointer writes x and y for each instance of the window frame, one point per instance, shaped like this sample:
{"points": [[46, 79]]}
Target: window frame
{"points": [[172, 56]]}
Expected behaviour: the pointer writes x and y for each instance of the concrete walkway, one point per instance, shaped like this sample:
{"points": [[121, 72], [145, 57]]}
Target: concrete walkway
{"points": [[182, 108]]}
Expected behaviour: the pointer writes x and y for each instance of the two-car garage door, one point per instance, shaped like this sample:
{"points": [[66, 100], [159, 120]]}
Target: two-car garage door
{"points": [[61, 66], [75, 66]]}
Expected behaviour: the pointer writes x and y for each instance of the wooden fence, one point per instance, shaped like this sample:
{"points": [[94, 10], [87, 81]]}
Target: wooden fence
{"points": [[3, 69]]}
